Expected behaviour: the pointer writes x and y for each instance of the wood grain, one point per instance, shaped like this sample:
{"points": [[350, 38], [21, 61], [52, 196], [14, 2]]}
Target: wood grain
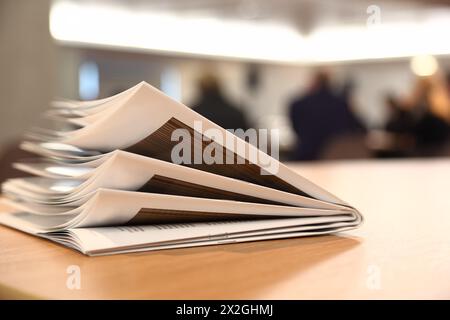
{"points": [[402, 250]]}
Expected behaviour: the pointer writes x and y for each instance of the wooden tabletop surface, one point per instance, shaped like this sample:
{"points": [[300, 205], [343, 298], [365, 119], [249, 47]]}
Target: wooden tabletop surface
{"points": [[402, 250]]}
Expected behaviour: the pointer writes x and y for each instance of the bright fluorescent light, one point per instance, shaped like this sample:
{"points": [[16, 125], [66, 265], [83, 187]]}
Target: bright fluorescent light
{"points": [[118, 27], [387, 40], [106, 25]]}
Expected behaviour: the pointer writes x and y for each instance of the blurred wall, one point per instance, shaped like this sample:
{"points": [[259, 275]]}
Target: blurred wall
{"points": [[26, 65], [278, 83]]}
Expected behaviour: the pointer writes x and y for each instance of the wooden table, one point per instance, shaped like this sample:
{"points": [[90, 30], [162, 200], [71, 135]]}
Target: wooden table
{"points": [[402, 250]]}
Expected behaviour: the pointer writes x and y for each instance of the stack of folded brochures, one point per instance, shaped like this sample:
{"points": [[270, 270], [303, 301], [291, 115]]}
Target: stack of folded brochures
{"points": [[139, 171]]}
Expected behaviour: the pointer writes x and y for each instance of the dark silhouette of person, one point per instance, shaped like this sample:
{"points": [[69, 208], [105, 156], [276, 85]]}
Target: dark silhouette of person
{"points": [[400, 120], [447, 81], [431, 131], [347, 92], [415, 118], [318, 117], [212, 104]]}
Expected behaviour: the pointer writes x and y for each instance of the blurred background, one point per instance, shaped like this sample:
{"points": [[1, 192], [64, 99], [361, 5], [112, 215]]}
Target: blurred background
{"points": [[345, 79]]}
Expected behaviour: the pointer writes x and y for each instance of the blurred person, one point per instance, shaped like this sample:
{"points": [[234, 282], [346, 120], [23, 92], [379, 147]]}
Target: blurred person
{"points": [[431, 129], [213, 105], [347, 94], [447, 82], [318, 117], [400, 120], [347, 89], [396, 138], [444, 96]]}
